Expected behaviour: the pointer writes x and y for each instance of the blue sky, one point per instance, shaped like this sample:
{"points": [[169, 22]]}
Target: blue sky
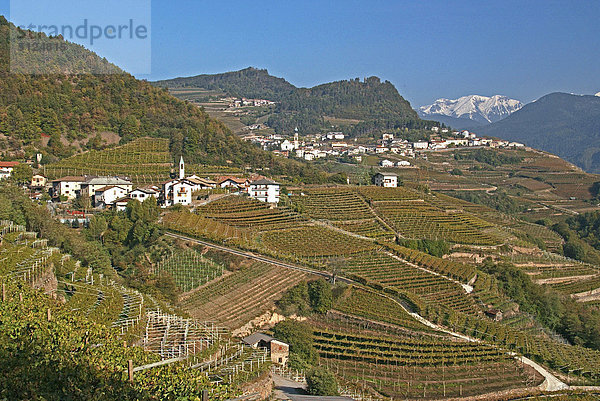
{"points": [[428, 49]]}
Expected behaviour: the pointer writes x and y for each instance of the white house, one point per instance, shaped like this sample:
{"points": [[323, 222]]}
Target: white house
{"points": [[68, 186], [287, 145], [178, 192], [121, 204], [420, 145], [108, 195], [92, 184], [403, 163], [388, 137], [141, 194], [386, 163], [335, 135], [38, 181], [233, 182], [387, 180], [264, 190], [6, 169]]}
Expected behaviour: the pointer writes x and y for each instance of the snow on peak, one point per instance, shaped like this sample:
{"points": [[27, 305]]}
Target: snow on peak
{"points": [[474, 107]]}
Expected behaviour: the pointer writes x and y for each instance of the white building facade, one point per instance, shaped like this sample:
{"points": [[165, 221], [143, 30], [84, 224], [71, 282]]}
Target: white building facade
{"points": [[387, 180], [264, 190]]}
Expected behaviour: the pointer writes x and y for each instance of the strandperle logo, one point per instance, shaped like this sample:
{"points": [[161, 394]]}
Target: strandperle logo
{"points": [[87, 31], [52, 36]]}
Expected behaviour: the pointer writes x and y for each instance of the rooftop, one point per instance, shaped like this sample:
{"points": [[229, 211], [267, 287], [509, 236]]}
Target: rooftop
{"points": [[70, 178], [264, 181], [107, 181], [255, 338]]}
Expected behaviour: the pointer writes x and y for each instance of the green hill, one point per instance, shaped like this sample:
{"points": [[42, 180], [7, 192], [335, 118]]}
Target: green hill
{"points": [[249, 82], [372, 104], [75, 109], [560, 123]]}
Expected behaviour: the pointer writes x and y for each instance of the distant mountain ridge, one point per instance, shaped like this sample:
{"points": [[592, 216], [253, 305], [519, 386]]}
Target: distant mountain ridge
{"points": [[375, 104], [564, 124], [481, 109]]}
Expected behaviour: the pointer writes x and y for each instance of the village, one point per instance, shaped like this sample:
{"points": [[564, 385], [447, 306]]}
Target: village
{"points": [[115, 192], [337, 144]]}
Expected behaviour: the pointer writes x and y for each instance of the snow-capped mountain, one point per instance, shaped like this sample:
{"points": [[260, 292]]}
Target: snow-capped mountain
{"points": [[478, 108]]}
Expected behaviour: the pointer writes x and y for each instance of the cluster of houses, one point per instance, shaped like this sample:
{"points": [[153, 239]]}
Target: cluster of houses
{"points": [[243, 102], [333, 144], [115, 192]]}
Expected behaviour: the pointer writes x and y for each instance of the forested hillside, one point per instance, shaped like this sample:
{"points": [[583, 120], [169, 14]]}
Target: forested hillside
{"points": [[372, 105], [77, 108]]}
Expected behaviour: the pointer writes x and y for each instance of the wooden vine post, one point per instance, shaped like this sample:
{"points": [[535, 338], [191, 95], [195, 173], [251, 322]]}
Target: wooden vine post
{"points": [[3, 292], [130, 370]]}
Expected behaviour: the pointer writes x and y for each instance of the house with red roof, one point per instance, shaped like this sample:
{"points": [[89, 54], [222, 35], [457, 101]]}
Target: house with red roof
{"points": [[6, 169]]}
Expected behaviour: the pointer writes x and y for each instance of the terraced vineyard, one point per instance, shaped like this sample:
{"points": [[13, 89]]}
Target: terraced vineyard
{"points": [[368, 228], [417, 219], [240, 296], [250, 214], [563, 274], [342, 207], [145, 161], [333, 204], [202, 227], [373, 306], [459, 271], [375, 194], [387, 271], [314, 241], [418, 368], [189, 269], [582, 363]]}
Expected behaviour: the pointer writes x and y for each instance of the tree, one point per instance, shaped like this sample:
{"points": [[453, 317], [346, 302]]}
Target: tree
{"points": [[299, 336], [320, 296], [321, 382], [295, 300], [22, 173], [574, 250], [83, 202], [97, 227]]}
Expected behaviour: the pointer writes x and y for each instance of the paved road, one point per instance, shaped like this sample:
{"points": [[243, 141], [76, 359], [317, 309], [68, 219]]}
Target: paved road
{"points": [[283, 387]]}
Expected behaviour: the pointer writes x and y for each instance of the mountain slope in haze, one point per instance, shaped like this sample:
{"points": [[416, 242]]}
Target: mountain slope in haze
{"points": [[376, 104], [455, 123], [77, 108], [560, 123], [481, 109]]}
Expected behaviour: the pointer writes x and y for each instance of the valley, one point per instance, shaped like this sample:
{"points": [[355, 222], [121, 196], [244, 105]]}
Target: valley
{"points": [[208, 237]]}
